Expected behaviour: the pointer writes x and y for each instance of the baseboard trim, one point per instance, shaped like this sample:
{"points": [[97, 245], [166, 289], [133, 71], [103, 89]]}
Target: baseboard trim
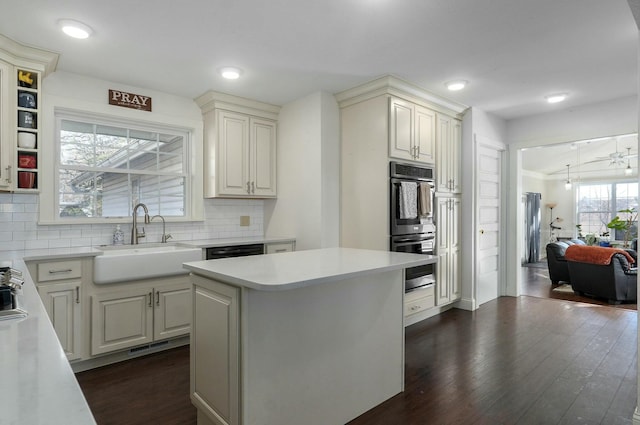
{"points": [[128, 354], [468, 304]]}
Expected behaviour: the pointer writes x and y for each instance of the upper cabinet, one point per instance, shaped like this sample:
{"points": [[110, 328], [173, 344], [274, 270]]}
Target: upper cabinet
{"points": [[240, 146], [21, 71], [412, 131], [448, 155]]}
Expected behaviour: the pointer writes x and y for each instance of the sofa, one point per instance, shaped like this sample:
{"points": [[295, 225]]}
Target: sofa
{"points": [[608, 273], [558, 270]]}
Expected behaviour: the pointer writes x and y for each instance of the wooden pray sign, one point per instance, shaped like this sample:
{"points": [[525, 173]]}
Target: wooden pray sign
{"points": [[129, 100]]}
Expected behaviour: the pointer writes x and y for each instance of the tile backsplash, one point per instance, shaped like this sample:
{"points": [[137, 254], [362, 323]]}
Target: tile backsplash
{"points": [[19, 229]]}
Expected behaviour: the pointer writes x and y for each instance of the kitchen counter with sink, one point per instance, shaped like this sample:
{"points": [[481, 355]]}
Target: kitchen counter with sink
{"points": [[38, 386]]}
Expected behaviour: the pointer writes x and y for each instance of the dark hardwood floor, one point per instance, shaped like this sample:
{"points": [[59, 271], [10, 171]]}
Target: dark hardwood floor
{"points": [[149, 390], [525, 360]]}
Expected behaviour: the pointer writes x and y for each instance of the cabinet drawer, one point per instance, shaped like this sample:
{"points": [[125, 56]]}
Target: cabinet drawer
{"points": [[274, 248], [58, 270], [419, 300]]}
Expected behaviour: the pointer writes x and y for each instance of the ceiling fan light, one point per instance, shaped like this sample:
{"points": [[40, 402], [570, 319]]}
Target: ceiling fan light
{"points": [[555, 98]]}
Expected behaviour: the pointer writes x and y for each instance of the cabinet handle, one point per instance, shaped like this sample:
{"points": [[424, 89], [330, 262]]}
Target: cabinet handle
{"points": [[417, 151], [281, 250], [77, 295], [248, 188], [415, 307], [150, 299], [253, 187], [8, 179], [158, 298], [60, 271]]}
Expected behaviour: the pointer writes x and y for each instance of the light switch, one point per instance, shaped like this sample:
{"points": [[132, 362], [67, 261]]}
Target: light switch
{"points": [[244, 220]]}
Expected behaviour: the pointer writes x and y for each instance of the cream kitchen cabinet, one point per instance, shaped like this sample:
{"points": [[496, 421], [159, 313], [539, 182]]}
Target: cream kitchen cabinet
{"points": [[247, 155], [240, 147], [279, 247], [59, 285], [137, 314], [21, 71], [448, 250], [412, 131], [448, 154], [63, 304]]}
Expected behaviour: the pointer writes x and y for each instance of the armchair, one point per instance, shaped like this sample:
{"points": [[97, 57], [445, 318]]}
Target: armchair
{"points": [[602, 272]]}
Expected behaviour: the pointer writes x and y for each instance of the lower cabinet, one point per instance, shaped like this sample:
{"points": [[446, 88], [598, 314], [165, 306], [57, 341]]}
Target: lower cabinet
{"points": [[139, 315], [62, 301], [279, 247], [448, 250], [419, 300]]}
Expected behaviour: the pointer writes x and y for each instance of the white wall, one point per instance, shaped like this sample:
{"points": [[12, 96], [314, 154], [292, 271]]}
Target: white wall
{"points": [[308, 178], [475, 124], [19, 228]]}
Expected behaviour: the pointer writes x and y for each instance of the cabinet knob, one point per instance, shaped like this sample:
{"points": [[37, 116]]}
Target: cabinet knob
{"points": [[482, 231]]}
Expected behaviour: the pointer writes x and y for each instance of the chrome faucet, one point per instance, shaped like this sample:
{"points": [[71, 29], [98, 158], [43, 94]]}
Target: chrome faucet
{"points": [[165, 236], [135, 235]]}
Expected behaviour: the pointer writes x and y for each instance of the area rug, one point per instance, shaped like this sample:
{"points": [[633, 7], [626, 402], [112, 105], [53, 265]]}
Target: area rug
{"points": [[565, 287]]}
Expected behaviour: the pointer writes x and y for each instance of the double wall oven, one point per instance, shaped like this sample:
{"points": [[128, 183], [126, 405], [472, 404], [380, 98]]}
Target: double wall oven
{"points": [[412, 226]]}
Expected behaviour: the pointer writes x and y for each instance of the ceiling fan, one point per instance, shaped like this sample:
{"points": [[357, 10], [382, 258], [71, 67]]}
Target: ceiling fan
{"points": [[615, 158]]}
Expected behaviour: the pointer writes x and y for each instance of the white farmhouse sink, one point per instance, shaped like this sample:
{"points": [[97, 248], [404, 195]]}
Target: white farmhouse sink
{"points": [[134, 262]]}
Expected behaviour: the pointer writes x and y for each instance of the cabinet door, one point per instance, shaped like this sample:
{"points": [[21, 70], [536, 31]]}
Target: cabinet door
{"points": [[233, 153], [425, 135], [63, 305], [7, 147], [454, 249], [121, 320], [275, 248], [443, 136], [215, 351], [401, 129], [172, 315], [262, 170], [455, 157], [443, 294]]}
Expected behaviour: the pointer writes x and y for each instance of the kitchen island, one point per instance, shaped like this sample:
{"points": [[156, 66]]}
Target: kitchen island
{"points": [[312, 337]]}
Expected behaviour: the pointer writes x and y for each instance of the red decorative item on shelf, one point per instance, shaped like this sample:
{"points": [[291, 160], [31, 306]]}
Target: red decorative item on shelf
{"points": [[26, 179], [26, 161]]}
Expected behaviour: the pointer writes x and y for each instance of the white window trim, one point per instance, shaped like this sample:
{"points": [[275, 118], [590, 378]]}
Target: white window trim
{"points": [[49, 194]]}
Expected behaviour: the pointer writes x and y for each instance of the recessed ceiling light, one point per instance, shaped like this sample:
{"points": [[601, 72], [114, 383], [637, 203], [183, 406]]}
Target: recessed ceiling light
{"points": [[230, 72], [456, 85], [555, 98], [75, 29]]}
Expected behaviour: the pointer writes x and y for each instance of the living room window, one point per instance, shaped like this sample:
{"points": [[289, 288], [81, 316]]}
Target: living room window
{"points": [[599, 203], [104, 168]]}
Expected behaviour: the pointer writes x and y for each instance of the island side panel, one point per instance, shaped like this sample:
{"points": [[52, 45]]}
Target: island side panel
{"points": [[215, 352], [323, 354]]}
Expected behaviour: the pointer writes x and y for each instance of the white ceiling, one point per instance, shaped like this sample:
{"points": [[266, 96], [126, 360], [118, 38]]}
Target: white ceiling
{"points": [[512, 52], [587, 159]]}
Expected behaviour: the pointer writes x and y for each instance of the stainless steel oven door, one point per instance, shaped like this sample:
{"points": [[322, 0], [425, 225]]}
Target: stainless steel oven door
{"points": [[420, 276], [407, 226]]}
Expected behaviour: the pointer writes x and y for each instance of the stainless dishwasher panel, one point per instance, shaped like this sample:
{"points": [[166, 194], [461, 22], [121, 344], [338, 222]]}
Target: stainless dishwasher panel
{"points": [[235, 251]]}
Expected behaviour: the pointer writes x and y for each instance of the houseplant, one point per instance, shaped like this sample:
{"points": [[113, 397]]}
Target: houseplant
{"points": [[625, 225]]}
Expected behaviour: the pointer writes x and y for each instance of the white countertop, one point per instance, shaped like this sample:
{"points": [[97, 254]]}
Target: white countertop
{"points": [[62, 253], [290, 270], [37, 386]]}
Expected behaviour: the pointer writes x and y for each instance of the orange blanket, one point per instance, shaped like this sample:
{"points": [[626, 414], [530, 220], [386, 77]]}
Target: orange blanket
{"points": [[594, 254]]}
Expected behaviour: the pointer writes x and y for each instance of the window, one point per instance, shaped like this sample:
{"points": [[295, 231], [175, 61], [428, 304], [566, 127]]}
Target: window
{"points": [[103, 169], [599, 203]]}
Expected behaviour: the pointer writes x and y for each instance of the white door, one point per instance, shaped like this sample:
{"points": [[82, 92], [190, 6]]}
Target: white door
{"points": [[488, 210]]}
